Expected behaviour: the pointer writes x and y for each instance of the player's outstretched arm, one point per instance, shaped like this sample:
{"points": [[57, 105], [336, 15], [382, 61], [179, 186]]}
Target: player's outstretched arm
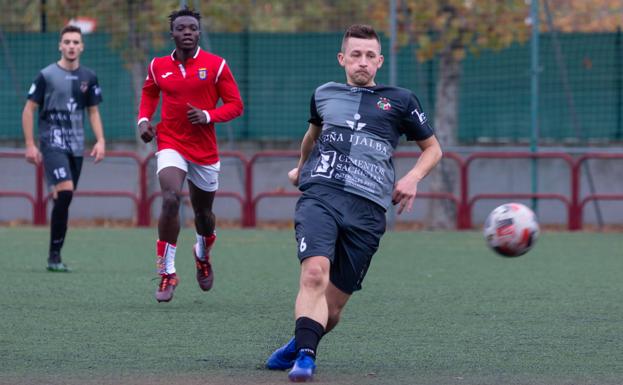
{"points": [[307, 144], [406, 188], [99, 149], [33, 155]]}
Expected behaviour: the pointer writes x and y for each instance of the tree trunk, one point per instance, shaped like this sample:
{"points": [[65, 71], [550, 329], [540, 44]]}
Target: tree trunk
{"points": [[441, 213]]}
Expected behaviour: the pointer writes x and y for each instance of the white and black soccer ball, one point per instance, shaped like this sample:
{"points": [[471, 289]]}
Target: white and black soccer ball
{"points": [[511, 229]]}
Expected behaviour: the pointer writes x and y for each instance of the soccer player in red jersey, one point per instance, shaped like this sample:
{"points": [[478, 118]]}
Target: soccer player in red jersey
{"points": [[191, 82]]}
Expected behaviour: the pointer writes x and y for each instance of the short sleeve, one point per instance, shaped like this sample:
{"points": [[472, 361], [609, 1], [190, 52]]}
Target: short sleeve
{"points": [[415, 123], [94, 94], [314, 117], [36, 93]]}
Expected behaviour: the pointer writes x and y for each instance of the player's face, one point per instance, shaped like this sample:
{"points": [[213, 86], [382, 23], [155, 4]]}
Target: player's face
{"points": [[185, 33], [361, 58], [71, 46]]}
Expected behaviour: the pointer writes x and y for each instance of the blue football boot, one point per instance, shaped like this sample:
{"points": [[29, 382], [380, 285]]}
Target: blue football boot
{"points": [[303, 369], [282, 358]]}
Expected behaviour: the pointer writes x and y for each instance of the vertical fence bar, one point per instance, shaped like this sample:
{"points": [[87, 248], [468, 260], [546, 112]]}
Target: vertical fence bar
{"points": [[534, 97], [618, 67]]}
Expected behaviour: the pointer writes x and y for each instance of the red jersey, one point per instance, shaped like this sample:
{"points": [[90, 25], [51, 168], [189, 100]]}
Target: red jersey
{"points": [[201, 81]]}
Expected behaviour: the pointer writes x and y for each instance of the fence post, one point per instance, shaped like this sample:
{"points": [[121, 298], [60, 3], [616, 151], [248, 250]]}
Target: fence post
{"points": [[249, 212], [39, 216], [575, 211]]}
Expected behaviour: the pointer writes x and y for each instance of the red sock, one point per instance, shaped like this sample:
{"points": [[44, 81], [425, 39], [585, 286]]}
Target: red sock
{"points": [[165, 257]]}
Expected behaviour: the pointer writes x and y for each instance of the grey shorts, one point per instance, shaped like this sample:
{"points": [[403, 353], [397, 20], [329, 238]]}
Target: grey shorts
{"points": [[61, 166], [341, 226]]}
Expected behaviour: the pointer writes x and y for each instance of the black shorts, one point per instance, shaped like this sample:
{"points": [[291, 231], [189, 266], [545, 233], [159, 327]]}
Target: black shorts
{"points": [[341, 226], [61, 166]]}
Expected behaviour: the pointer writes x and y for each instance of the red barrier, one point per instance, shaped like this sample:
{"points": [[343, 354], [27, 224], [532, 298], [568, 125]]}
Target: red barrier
{"points": [[21, 194], [254, 199], [460, 205], [225, 194], [36, 200], [147, 199], [249, 201], [101, 194], [40, 200], [559, 197], [466, 218], [578, 208]]}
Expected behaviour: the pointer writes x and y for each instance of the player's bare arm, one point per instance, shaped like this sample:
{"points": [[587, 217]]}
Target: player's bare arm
{"points": [[196, 115], [99, 148], [406, 188], [33, 155], [312, 134]]}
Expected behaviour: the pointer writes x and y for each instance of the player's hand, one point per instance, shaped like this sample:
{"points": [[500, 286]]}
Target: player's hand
{"points": [[196, 115], [293, 175], [146, 131], [33, 155], [99, 151], [404, 193]]}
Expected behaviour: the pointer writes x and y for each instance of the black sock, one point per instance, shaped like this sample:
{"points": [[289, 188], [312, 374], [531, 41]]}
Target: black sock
{"points": [[58, 224], [307, 335]]}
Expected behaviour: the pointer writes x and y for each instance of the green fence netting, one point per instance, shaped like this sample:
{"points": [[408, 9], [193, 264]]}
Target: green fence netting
{"points": [[580, 84]]}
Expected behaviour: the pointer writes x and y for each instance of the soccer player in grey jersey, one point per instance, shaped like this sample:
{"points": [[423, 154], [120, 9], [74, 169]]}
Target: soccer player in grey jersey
{"points": [[62, 92], [346, 174]]}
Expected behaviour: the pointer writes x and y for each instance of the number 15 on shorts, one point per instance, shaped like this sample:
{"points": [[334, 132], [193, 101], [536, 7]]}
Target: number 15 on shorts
{"points": [[60, 173]]}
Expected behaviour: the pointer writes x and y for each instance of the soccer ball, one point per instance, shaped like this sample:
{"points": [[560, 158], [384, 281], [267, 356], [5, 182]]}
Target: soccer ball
{"points": [[511, 229]]}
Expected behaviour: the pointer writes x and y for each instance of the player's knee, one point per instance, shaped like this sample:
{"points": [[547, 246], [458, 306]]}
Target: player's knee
{"points": [[204, 216], [170, 201], [63, 199], [314, 276]]}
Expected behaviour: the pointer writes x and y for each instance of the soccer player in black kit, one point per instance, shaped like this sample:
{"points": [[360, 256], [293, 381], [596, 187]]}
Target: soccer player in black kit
{"points": [[62, 92], [346, 174]]}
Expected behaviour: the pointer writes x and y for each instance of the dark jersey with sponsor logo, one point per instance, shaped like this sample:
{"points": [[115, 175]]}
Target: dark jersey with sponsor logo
{"points": [[62, 97], [361, 127]]}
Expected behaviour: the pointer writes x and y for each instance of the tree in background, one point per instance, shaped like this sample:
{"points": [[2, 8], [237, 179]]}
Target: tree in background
{"points": [[448, 29], [586, 16], [137, 28], [441, 30]]}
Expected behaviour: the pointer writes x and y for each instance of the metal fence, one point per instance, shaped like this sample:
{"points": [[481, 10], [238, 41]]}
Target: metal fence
{"points": [[581, 80]]}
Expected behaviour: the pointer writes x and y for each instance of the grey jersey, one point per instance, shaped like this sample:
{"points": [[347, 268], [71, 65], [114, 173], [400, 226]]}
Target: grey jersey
{"points": [[361, 127], [62, 97]]}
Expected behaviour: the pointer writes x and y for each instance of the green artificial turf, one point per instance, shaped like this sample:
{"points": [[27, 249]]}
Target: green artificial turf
{"points": [[436, 308]]}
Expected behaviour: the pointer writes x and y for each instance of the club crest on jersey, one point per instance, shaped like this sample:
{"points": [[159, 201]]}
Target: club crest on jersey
{"points": [[203, 73], [84, 86], [383, 104]]}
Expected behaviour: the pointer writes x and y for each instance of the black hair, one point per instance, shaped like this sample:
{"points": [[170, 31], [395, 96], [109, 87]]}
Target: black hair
{"points": [[70, 28], [184, 12], [360, 31]]}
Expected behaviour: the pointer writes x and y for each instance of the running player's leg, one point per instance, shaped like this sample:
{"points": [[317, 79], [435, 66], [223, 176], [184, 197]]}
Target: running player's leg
{"points": [[336, 300], [171, 181], [317, 233], [205, 223], [60, 176], [364, 224], [171, 174], [202, 202], [202, 184]]}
